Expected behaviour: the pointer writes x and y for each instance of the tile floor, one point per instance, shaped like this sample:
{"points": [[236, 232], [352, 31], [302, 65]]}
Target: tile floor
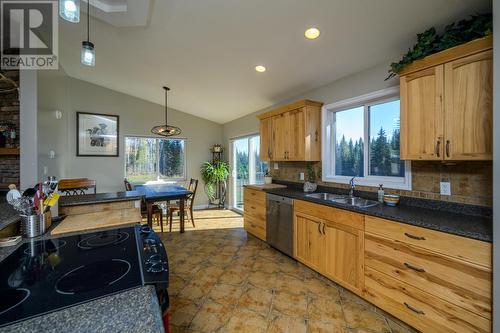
{"points": [[223, 280]]}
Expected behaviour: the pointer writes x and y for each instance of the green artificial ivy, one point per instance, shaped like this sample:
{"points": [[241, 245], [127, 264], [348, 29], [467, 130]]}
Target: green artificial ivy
{"points": [[430, 41]]}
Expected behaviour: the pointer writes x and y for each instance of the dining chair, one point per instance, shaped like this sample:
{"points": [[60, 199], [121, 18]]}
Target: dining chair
{"points": [[157, 210], [76, 186], [188, 206]]}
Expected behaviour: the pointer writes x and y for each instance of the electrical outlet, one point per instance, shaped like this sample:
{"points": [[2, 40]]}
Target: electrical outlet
{"points": [[275, 166], [445, 188], [301, 175]]}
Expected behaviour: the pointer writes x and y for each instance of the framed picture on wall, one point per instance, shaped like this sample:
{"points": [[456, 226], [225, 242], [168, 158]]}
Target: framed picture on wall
{"points": [[97, 134]]}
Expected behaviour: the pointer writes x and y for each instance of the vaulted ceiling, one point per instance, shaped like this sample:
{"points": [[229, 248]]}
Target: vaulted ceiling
{"points": [[206, 50]]}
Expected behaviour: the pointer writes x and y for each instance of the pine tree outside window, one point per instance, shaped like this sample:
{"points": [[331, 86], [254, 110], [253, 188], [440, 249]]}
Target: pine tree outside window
{"points": [[151, 159], [361, 138]]}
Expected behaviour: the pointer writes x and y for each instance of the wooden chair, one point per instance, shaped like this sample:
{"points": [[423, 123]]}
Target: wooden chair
{"points": [[157, 211], [76, 186], [188, 205]]}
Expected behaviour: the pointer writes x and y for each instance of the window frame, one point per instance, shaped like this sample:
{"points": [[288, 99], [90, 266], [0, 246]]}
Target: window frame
{"points": [[328, 139], [159, 179]]}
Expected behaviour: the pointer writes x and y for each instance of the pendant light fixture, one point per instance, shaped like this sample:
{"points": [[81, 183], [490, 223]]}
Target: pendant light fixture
{"points": [[70, 10], [88, 53], [166, 130]]}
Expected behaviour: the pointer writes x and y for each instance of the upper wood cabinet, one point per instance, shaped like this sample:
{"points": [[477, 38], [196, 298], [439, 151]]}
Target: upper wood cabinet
{"points": [[446, 104], [291, 132]]}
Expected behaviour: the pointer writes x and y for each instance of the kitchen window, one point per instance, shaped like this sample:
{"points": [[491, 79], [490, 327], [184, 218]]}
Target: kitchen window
{"points": [[149, 159], [361, 139]]}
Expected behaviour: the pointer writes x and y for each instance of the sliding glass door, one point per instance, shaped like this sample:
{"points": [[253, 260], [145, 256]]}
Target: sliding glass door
{"points": [[247, 168]]}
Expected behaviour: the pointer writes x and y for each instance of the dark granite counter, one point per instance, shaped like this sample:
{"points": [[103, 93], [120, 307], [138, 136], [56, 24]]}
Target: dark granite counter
{"points": [[134, 310], [459, 222], [89, 199]]}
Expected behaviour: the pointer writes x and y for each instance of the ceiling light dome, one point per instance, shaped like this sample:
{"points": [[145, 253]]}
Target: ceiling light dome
{"points": [[260, 68], [312, 33]]}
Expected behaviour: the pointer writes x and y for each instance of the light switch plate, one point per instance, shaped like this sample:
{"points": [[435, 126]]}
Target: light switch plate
{"points": [[301, 175], [445, 188], [275, 166]]}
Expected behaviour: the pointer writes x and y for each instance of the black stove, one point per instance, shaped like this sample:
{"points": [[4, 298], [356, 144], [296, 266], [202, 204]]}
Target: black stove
{"points": [[47, 275]]}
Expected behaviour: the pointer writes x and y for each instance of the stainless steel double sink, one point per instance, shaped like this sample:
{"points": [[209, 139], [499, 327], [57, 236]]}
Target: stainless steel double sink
{"points": [[344, 199]]}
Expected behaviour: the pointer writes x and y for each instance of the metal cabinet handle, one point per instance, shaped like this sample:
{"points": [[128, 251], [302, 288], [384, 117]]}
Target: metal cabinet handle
{"points": [[316, 139], [416, 269], [319, 226], [324, 233], [414, 237], [252, 207], [447, 148], [417, 311], [438, 146]]}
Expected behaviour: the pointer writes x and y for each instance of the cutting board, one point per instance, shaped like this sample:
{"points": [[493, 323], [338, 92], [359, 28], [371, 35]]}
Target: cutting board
{"points": [[98, 220]]}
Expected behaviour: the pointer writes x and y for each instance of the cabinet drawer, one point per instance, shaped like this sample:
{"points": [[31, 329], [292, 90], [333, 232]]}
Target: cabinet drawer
{"points": [[255, 208], [471, 250], [255, 227], [456, 281], [252, 194], [420, 309], [340, 216]]}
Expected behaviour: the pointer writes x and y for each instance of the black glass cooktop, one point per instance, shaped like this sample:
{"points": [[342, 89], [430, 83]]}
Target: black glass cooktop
{"points": [[43, 276]]}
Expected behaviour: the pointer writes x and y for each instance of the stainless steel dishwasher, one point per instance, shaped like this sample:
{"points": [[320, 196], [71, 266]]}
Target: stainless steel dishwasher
{"points": [[279, 226]]}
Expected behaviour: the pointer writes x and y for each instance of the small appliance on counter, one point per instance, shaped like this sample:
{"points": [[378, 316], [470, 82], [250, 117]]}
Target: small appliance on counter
{"points": [[43, 276]]}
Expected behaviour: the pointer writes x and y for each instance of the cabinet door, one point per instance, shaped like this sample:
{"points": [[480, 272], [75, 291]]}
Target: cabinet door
{"points": [[309, 242], [344, 255], [280, 136], [422, 115], [296, 137], [266, 135], [469, 108]]}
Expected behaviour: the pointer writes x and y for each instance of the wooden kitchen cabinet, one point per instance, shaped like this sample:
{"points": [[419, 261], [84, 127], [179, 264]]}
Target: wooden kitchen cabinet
{"points": [[446, 104], [295, 132], [330, 241], [254, 215]]}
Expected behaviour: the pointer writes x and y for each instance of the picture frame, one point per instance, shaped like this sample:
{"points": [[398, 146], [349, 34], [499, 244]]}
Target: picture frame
{"points": [[97, 134]]}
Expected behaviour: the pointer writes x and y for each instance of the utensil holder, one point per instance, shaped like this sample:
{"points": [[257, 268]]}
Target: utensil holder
{"points": [[35, 225]]}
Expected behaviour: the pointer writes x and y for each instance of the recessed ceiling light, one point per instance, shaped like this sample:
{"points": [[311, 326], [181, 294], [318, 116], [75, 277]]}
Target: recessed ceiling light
{"points": [[260, 68], [312, 33]]}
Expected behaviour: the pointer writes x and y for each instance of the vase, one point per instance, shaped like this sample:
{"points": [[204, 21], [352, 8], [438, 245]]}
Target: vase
{"points": [[310, 187]]}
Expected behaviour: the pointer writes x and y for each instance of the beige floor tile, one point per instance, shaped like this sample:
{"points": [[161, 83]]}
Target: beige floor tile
{"points": [[291, 268], [290, 284], [256, 300], [245, 321], [325, 309], [176, 284], [211, 317], [235, 275], [359, 316], [262, 280], [315, 326], [266, 266], [182, 311], [208, 274], [290, 304], [319, 288], [225, 294], [221, 259], [283, 324], [196, 290]]}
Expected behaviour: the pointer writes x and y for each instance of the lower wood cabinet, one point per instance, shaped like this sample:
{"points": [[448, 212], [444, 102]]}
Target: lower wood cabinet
{"points": [[254, 206], [329, 243]]}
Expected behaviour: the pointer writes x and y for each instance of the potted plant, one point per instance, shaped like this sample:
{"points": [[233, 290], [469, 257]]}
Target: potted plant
{"points": [[310, 184], [214, 173]]}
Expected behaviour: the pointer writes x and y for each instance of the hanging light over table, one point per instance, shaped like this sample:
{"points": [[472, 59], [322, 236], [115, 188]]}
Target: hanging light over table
{"points": [[166, 130], [70, 10], [88, 51]]}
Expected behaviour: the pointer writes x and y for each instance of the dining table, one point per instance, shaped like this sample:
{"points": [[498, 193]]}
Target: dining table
{"points": [[153, 193]]}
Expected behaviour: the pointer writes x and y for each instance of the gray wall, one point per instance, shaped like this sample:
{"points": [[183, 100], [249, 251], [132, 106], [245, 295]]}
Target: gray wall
{"points": [[351, 86], [56, 91]]}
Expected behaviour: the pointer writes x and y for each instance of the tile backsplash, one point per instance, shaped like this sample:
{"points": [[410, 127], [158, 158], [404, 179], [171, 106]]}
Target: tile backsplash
{"points": [[471, 182]]}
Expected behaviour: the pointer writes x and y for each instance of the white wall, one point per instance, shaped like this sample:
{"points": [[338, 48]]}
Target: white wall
{"points": [[28, 128], [351, 86], [56, 91]]}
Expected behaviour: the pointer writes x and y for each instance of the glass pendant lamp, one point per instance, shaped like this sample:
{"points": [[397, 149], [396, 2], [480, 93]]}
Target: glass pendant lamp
{"points": [[88, 52], [70, 10]]}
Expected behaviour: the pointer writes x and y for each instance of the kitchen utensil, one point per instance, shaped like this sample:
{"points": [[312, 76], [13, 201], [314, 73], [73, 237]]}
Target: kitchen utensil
{"points": [[12, 194]]}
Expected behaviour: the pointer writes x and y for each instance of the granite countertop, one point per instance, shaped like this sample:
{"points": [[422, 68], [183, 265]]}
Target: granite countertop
{"points": [[8, 214], [461, 224], [134, 310], [89, 199]]}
